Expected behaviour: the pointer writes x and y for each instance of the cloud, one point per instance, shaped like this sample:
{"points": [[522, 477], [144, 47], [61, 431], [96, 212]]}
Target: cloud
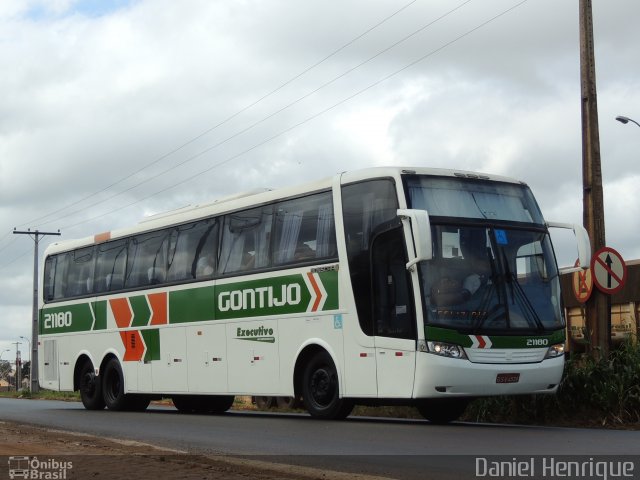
{"points": [[109, 95]]}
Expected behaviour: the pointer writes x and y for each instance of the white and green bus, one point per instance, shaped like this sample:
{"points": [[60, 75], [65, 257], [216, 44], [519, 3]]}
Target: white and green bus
{"points": [[383, 286]]}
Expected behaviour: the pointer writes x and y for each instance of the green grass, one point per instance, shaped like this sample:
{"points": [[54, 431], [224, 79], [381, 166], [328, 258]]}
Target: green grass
{"points": [[43, 395]]}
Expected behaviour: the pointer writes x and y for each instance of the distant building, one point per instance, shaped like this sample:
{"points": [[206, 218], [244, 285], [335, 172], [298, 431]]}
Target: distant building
{"points": [[625, 309]]}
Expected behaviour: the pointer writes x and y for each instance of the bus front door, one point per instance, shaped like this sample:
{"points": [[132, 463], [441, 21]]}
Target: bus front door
{"points": [[394, 316]]}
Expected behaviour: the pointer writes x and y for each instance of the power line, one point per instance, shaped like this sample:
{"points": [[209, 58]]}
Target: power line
{"points": [[264, 119], [226, 120], [312, 117]]}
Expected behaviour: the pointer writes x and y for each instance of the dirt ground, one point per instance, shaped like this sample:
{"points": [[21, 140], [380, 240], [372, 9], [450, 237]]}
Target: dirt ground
{"points": [[91, 457]]}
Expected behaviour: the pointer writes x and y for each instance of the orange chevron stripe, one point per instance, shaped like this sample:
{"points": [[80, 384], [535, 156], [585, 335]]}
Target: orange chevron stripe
{"points": [[133, 346], [316, 289], [121, 312], [158, 302]]}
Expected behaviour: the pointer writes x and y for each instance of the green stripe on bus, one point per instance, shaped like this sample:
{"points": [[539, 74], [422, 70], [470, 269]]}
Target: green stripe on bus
{"points": [[100, 312], [70, 318], [152, 341], [141, 311], [497, 341], [330, 281], [191, 305], [283, 295], [274, 296]]}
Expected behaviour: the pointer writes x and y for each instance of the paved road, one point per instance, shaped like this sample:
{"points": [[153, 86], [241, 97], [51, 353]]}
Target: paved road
{"points": [[397, 448]]}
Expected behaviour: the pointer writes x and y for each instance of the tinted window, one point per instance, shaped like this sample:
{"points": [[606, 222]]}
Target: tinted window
{"points": [[246, 240], [304, 230], [110, 266], [49, 278], [147, 259], [193, 251], [366, 206], [80, 272], [465, 198]]}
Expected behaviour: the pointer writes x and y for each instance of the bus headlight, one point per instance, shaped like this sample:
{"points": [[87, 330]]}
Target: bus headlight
{"points": [[446, 349], [555, 351]]}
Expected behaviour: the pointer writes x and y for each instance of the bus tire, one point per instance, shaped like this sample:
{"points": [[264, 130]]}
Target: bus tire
{"points": [[442, 410], [183, 403], [221, 403], [113, 386], [321, 389], [90, 388], [203, 403], [137, 403]]}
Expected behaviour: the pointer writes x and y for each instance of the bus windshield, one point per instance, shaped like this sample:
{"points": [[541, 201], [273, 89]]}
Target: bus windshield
{"points": [[473, 199], [493, 267], [488, 279]]}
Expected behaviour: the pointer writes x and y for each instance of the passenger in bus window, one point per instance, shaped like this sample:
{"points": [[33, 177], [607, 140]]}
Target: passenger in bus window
{"points": [[205, 265]]}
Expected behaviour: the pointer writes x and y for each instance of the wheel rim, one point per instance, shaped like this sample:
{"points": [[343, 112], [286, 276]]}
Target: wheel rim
{"points": [[323, 386]]}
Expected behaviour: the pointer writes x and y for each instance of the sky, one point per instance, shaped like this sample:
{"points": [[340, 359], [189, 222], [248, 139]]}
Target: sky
{"points": [[113, 110]]}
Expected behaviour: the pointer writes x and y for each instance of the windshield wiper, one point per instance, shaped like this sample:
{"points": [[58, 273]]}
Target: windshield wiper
{"points": [[496, 283], [517, 293]]}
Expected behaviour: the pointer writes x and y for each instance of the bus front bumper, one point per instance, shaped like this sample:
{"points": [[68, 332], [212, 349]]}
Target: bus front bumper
{"points": [[438, 376]]}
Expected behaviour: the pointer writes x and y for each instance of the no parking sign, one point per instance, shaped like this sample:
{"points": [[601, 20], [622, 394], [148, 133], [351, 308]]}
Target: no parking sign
{"points": [[582, 284]]}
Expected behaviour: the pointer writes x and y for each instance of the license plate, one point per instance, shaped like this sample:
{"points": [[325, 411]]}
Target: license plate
{"points": [[508, 378]]}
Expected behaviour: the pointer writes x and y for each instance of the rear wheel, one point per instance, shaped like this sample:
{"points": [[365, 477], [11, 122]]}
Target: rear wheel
{"points": [[113, 386], [321, 389], [90, 388], [442, 410]]}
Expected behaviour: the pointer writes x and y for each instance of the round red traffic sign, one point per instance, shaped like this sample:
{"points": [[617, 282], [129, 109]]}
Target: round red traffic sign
{"points": [[609, 270], [582, 284]]}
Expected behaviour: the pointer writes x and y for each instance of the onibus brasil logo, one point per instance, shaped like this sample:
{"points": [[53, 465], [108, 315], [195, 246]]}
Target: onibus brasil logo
{"points": [[34, 468]]}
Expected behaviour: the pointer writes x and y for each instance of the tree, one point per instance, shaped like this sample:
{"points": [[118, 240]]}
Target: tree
{"points": [[25, 371], [5, 369]]}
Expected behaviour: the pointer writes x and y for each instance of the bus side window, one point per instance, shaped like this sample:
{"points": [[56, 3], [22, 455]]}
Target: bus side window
{"points": [[79, 279], [365, 206], [60, 279], [392, 299], [305, 229], [110, 264], [49, 278], [246, 240], [147, 259]]}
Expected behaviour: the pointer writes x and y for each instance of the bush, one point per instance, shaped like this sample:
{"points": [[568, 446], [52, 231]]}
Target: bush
{"points": [[604, 392]]}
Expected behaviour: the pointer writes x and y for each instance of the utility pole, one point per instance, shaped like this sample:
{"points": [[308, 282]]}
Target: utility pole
{"points": [[17, 375], [598, 313], [35, 235]]}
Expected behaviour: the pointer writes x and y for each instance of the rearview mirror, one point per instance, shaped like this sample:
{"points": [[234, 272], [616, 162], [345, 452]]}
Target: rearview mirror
{"points": [[583, 244], [421, 231]]}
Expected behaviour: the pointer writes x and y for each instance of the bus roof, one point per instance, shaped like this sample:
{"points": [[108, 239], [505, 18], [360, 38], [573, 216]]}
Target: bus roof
{"points": [[261, 196]]}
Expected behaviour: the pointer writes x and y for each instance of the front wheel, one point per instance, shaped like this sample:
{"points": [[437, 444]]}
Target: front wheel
{"points": [[442, 410], [90, 388], [320, 389]]}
